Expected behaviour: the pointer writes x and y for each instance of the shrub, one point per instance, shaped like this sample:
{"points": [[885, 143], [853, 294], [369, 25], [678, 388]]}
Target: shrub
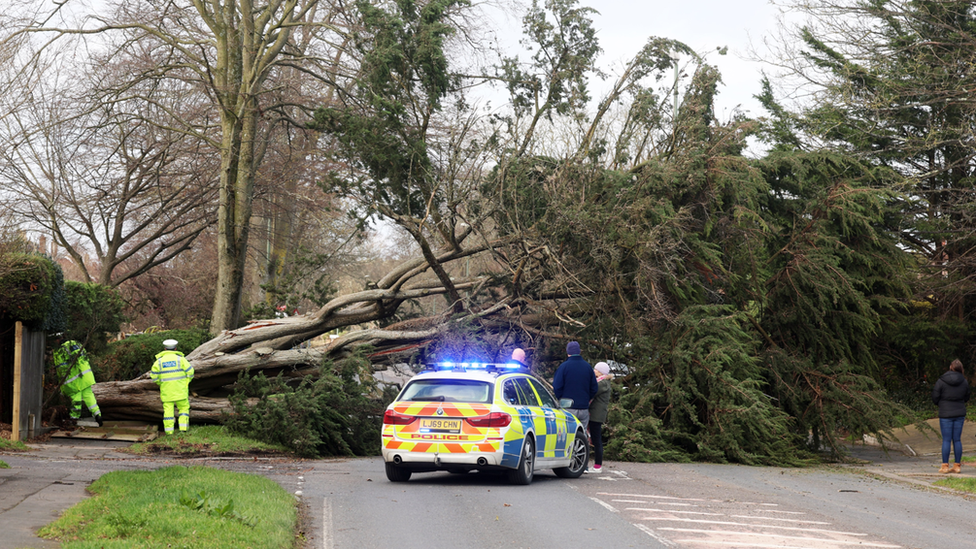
{"points": [[31, 290], [94, 311], [134, 355], [330, 415]]}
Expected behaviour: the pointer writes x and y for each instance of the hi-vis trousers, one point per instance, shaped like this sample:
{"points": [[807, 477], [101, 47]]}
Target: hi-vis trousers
{"points": [[85, 395], [183, 408]]}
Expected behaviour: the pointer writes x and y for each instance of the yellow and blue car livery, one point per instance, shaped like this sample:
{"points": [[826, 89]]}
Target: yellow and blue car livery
{"points": [[476, 416]]}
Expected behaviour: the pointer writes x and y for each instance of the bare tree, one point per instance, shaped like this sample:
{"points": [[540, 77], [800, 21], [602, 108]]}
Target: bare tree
{"points": [[118, 194], [233, 52]]}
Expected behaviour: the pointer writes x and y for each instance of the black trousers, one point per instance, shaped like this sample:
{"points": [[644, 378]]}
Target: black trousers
{"points": [[596, 438]]}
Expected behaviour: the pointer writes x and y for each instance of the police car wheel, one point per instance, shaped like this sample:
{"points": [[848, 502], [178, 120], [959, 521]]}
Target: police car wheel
{"points": [[397, 474], [579, 458], [523, 474]]}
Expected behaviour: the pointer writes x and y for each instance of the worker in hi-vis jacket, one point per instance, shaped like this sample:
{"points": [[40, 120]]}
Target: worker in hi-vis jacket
{"points": [[77, 379], [173, 373]]}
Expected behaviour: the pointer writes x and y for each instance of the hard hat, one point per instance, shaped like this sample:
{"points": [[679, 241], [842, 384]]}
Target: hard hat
{"points": [[170, 344]]}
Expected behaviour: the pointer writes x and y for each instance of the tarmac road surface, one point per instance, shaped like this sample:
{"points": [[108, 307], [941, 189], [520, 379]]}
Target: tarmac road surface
{"points": [[887, 500]]}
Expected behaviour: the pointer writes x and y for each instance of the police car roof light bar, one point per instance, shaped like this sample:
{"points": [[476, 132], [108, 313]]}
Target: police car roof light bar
{"points": [[465, 366]]}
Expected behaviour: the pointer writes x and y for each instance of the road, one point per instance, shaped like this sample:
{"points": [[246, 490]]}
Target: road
{"points": [[633, 505], [349, 503]]}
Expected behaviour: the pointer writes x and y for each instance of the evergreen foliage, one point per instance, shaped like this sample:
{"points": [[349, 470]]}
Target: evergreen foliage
{"points": [[387, 124], [745, 297], [381, 127], [706, 389], [834, 273], [895, 75], [332, 415], [913, 350], [31, 290], [94, 313], [833, 278], [133, 356], [57, 318]]}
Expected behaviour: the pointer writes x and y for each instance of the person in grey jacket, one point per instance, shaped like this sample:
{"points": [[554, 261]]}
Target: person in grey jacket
{"points": [[950, 394], [598, 413]]}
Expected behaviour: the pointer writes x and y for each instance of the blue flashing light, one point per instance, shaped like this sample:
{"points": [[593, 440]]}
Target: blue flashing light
{"points": [[467, 366]]}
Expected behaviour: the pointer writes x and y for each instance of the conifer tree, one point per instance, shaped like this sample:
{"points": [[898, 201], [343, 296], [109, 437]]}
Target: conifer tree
{"points": [[894, 81], [744, 296]]}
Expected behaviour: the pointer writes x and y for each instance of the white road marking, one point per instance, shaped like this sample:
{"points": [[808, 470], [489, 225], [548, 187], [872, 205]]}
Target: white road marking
{"points": [[650, 532], [326, 524], [675, 512], [772, 527], [653, 497], [752, 545], [779, 519], [760, 529], [753, 503], [726, 541], [779, 511], [657, 502], [605, 504]]}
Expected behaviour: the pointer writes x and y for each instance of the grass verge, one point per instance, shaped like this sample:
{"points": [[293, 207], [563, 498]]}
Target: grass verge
{"points": [[7, 445], [179, 507], [211, 440], [966, 484]]}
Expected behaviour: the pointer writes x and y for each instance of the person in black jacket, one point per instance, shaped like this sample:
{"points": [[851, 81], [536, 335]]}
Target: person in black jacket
{"points": [[950, 394], [576, 381]]}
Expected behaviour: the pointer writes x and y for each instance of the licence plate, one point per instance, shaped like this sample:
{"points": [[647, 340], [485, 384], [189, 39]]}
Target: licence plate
{"points": [[441, 425]]}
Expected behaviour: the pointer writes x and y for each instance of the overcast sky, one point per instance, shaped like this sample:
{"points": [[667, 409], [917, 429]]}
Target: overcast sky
{"points": [[704, 25], [624, 26]]}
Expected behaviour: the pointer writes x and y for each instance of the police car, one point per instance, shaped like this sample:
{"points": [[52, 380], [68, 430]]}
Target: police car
{"points": [[460, 417]]}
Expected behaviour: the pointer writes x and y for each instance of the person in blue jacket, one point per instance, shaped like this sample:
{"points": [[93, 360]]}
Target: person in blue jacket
{"points": [[951, 393], [575, 380]]}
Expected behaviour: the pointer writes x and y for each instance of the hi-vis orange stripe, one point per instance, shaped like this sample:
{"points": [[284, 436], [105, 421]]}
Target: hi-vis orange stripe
{"points": [[445, 443], [441, 448], [450, 409]]}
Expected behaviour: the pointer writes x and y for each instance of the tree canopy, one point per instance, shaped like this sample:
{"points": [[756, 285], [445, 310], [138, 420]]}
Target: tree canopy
{"points": [[752, 298]]}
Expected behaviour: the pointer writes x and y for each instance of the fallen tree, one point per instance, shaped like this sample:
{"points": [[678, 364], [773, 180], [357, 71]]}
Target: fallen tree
{"points": [[283, 345], [744, 296]]}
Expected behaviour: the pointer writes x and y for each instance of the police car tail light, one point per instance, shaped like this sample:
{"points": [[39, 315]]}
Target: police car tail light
{"points": [[393, 418], [494, 419]]}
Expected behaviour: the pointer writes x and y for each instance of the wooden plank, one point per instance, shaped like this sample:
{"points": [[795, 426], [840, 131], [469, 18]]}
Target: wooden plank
{"points": [[132, 432], [18, 380]]}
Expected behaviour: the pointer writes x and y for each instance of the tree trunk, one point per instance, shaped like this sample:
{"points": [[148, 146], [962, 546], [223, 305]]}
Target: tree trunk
{"points": [[233, 222], [287, 345], [252, 349], [139, 400]]}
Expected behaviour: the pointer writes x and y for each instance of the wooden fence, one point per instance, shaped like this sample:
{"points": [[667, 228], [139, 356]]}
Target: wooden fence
{"points": [[21, 379]]}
